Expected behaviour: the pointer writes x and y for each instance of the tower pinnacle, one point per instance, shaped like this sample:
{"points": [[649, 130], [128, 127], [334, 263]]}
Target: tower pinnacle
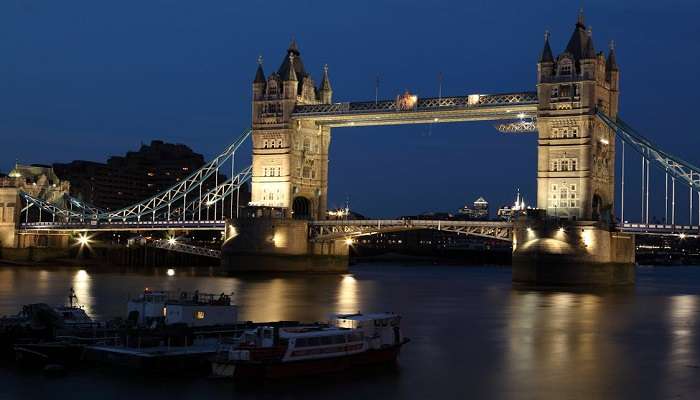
{"points": [[291, 74], [580, 20], [547, 50]]}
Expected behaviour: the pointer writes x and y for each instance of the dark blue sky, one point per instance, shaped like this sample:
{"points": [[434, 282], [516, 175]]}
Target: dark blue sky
{"points": [[82, 79]]}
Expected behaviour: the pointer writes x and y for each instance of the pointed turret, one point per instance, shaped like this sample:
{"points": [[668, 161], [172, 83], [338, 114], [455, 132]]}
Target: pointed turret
{"points": [[259, 82], [590, 49], [298, 65], [547, 50], [259, 74], [611, 62], [325, 91], [578, 42], [291, 74], [580, 20]]}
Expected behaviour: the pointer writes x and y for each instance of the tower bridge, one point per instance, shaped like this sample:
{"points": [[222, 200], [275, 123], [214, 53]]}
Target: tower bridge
{"points": [[573, 112]]}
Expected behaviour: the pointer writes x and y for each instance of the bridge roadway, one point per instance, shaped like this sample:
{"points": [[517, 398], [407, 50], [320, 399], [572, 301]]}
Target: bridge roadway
{"points": [[508, 106], [338, 229]]}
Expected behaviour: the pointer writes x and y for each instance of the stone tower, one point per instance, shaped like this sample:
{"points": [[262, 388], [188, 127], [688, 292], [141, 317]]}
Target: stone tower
{"points": [[290, 157], [576, 152]]}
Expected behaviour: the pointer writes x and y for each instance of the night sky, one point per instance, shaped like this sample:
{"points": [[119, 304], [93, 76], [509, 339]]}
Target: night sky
{"points": [[85, 79]]}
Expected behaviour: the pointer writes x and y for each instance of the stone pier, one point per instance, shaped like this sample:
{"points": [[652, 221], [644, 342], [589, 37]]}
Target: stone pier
{"points": [[268, 244], [550, 252]]}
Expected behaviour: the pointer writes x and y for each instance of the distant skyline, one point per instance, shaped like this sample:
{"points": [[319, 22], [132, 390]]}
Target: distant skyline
{"points": [[87, 80]]}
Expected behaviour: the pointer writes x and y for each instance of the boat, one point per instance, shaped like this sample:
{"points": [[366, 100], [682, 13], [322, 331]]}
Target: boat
{"points": [[156, 307], [347, 341]]}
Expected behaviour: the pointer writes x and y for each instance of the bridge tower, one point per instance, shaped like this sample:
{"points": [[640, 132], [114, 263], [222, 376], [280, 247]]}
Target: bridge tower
{"points": [[570, 240], [576, 151], [290, 157]]}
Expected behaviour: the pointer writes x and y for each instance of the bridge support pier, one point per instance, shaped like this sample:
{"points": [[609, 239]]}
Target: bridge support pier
{"points": [[549, 252], [279, 245]]}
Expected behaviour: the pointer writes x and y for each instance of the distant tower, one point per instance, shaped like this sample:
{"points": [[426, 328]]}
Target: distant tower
{"points": [[576, 152], [290, 157]]}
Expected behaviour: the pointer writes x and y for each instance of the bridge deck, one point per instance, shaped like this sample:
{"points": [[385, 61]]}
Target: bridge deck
{"points": [[507, 106]]}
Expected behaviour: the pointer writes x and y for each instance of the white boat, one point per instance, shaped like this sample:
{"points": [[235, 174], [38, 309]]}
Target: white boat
{"points": [[347, 341]]}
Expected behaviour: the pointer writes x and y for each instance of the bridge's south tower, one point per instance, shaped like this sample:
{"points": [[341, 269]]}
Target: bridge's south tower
{"points": [[576, 151], [290, 157]]}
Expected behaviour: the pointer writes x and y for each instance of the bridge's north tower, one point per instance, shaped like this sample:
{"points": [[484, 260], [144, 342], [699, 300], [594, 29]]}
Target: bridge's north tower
{"points": [[290, 157], [576, 151]]}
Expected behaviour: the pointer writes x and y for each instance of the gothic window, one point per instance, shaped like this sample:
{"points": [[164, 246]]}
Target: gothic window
{"points": [[307, 144], [574, 132], [265, 144], [565, 67], [566, 91], [555, 165], [555, 91], [573, 164], [279, 143], [564, 165], [307, 172]]}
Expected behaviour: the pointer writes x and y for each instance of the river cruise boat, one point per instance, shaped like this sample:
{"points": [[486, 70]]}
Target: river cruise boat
{"points": [[347, 341]]}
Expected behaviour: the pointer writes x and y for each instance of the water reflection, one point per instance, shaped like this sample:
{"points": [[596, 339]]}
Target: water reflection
{"points": [[558, 336], [347, 299], [682, 333], [83, 290]]}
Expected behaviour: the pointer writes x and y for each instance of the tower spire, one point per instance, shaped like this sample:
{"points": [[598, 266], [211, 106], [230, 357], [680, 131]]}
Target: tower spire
{"points": [[325, 83], [259, 74], [611, 62], [580, 20], [547, 50], [291, 74], [590, 49]]}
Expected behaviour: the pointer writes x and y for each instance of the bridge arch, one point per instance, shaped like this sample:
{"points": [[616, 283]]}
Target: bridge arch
{"points": [[301, 208]]}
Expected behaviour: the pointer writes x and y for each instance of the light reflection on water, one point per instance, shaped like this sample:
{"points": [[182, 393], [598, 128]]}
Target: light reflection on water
{"points": [[473, 336]]}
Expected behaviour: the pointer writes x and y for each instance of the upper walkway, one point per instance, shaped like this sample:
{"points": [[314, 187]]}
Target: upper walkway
{"points": [[411, 110]]}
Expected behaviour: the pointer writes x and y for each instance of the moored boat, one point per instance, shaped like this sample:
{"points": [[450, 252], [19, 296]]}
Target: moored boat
{"points": [[346, 342]]}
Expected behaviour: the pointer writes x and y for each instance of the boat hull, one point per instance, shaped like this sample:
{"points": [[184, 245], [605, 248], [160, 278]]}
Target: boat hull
{"points": [[248, 370]]}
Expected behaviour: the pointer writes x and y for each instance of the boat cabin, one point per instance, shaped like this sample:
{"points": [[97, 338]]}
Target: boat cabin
{"points": [[192, 309]]}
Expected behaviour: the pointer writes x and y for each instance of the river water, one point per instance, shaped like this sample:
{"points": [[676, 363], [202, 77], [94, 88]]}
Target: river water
{"points": [[473, 336]]}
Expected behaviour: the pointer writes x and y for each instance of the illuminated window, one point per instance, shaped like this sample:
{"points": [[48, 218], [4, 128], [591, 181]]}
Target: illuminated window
{"points": [[199, 315], [165, 312]]}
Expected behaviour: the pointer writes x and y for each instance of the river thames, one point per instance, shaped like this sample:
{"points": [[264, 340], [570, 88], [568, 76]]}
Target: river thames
{"points": [[472, 334]]}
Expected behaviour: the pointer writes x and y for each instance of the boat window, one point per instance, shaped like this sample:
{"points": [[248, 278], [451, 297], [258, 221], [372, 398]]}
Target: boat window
{"points": [[326, 340], [199, 314]]}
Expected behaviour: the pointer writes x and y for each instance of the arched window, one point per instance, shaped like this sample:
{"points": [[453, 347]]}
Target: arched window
{"points": [[265, 144], [566, 67]]}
